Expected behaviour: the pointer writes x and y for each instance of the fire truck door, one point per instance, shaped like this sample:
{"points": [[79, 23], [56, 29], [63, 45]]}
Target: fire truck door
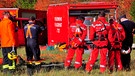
{"points": [[58, 22]]}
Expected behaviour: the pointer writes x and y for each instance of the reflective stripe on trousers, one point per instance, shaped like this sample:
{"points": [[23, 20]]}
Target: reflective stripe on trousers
{"points": [[13, 65], [9, 67], [77, 62], [102, 66], [5, 66]]}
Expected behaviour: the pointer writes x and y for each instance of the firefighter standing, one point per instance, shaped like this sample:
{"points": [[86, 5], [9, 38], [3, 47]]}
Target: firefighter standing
{"points": [[128, 41], [8, 42], [115, 36], [31, 31], [76, 38], [98, 36]]}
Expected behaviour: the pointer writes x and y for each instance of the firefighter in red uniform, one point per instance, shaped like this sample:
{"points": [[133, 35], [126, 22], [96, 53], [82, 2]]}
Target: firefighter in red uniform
{"points": [[115, 36], [98, 35], [76, 38]]}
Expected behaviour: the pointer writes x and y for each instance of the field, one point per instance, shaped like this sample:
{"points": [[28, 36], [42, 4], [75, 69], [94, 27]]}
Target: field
{"points": [[55, 56]]}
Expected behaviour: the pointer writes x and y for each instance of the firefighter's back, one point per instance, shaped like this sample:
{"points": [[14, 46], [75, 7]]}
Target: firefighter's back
{"points": [[7, 33]]}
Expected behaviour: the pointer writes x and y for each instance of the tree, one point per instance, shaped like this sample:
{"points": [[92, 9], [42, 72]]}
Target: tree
{"points": [[132, 10], [6, 3], [26, 4], [43, 4]]}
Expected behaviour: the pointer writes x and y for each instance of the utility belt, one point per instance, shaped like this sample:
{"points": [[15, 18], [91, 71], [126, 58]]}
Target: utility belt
{"points": [[99, 47], [117, 45], [113, 49], [102, 38], [77, 35], [80, 46]]}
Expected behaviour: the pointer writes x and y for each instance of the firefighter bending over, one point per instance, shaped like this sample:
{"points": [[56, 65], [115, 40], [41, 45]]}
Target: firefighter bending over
{"points": [[8, 43], [98, 35], [115, 36], [129, 27], [76, 38]]}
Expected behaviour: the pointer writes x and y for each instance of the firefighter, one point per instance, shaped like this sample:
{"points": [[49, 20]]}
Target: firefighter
{"points": [[31, 31], [98, 36], [128, 41], [77, 35], [8, 42], [115, 36]]}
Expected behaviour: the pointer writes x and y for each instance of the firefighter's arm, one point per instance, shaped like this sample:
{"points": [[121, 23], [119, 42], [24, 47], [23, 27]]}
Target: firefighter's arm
{"points": [[41, 28], [84, 33], [78, 41], [92, 32], [0, 30], [11, 30], [75, 42], [123, 34], [70, 34], [110, 38], [108, 27]]}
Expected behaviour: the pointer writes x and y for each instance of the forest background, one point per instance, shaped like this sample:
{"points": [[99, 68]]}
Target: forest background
{"points": [[125, 6]]}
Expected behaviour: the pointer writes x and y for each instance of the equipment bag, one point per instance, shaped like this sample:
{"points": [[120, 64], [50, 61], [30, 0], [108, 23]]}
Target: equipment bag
{"points": [[101, 32], [116, 37]]}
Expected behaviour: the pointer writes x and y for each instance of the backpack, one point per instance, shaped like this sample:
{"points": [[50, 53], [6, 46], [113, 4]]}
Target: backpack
{"points": [[100, 32], [116, 37]]}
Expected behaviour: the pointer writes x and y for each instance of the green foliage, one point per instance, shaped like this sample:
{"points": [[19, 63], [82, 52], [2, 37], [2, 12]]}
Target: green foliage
{"points": [[132, 10], [25, 4], [133, 39]]}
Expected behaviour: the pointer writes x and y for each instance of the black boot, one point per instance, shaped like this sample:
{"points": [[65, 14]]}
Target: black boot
{"points": [[5, 70], [11, 71]]}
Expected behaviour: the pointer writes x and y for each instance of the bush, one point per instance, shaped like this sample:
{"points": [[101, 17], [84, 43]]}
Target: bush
{"points": [[132, 10]]}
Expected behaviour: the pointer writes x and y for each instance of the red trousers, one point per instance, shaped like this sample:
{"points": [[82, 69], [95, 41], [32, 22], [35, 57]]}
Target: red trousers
{"points": [[78, 61], [93, 56], [114, 56]]}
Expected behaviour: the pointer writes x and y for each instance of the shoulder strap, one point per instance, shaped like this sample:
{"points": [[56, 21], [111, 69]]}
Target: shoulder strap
{"points": [[103, 24]]}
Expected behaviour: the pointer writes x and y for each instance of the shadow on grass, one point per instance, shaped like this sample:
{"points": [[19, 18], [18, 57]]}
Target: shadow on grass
{"points": [[31, 69]]}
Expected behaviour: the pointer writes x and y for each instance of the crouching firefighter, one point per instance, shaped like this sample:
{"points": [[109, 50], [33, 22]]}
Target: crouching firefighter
{"points": [[76, 42], [98, 36], [8, 43], [115, 36]]}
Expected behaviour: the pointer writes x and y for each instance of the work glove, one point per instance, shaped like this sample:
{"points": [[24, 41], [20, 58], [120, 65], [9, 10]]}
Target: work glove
{"points": [[75, 42], [126, 51]]}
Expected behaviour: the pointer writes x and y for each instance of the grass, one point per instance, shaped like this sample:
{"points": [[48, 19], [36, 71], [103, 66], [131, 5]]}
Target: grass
{"points": [[134, 39], [58, 56]]}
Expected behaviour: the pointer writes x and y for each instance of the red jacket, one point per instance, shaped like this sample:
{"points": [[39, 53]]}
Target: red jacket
{"points": [[116, 25], [7, 33], [77, 32], [99, 25]]}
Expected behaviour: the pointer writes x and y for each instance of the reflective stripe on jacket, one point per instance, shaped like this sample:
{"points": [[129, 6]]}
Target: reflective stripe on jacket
{"points": [[100, 23]]}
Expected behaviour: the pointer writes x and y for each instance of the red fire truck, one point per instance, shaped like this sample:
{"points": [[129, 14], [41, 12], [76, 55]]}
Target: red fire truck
{"points": [[60, 16], [22, 17]]}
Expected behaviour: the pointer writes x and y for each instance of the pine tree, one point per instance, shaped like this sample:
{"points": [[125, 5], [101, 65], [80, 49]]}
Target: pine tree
{"points": [[132, 10], [26, 4]]}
